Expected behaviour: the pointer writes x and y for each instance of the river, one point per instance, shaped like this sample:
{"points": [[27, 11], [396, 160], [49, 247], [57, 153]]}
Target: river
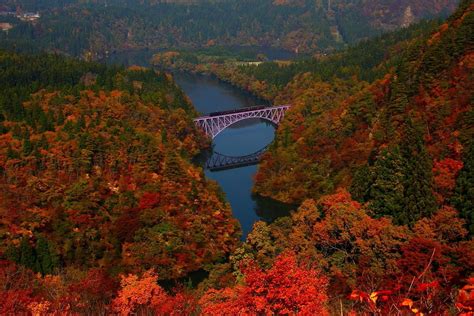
{"points": [[210, 95]]}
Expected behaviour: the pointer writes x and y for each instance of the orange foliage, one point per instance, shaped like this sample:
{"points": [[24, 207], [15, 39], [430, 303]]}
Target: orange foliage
{"points": [[138, 293], [445, 173], [465, 301], [142, 294], [285, 288]]}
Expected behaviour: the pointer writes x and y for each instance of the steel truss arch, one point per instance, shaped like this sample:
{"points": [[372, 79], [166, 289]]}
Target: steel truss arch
{"points": [[213, 125]]}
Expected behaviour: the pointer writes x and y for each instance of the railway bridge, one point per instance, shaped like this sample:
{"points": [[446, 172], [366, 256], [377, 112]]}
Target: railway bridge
{"points": [[214, 123]]}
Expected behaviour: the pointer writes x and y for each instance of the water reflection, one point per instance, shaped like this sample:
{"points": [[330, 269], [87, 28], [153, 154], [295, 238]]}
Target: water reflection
{"points": [[269, 210], [218, 161], [245, 137]]}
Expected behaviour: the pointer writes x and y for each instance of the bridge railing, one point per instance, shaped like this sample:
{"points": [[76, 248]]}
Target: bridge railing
{"points": [[241, 110], [213, 125]]}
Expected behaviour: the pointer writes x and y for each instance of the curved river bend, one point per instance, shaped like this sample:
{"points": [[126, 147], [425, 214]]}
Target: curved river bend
{"points": [[210, 95]]}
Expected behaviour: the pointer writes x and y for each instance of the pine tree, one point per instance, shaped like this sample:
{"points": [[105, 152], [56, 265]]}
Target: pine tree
{"points": [[164, 136], [27, 146], [27, 254], [80, 124], [418, 201], [43, 143], [12, 154], [173, 169], [386, 192], [44, 263], [463, 197], [402, 180], [46, 122], [60, 119], [361, 183], [12, 253]]}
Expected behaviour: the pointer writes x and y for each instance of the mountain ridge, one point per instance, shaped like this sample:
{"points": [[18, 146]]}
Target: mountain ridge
{"points": [[99, 27]]}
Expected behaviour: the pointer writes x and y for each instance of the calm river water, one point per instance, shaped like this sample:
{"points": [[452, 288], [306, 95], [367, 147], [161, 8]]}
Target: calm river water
{"points": [[210, 95]]}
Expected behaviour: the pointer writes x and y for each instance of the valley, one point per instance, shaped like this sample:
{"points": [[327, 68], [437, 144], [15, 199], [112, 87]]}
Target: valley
{"points": [[359, 202]]}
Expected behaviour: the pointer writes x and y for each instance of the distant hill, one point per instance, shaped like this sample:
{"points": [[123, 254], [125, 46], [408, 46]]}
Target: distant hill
{"points": [[97, 27]]}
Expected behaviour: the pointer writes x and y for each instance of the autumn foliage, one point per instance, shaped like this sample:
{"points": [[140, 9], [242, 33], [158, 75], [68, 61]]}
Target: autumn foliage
{"points": [[285, 288], [337, 130], [142, 294], [102, 210]]}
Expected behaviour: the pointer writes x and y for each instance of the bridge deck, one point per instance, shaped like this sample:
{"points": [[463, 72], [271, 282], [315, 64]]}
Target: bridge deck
{"points": [[239, 110], [216, 122]]}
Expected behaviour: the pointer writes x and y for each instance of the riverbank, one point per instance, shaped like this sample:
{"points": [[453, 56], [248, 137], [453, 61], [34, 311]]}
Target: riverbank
{"points": [[209, 94], [228, 69]]}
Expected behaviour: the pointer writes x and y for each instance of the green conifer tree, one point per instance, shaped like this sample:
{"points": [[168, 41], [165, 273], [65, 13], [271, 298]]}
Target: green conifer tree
{"points": [[173, 169], [386, 192], [13, 253], [27, 255], [463, 197], [361, 183], [418, 201], [44, 263], [27, 146]]}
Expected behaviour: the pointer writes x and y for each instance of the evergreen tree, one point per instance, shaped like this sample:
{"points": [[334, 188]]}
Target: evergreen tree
{"points": [[361, 183], [463, 197], [43, 143], [3, 129], [27, 146], [80, 124], [46, 122], [386, 192], [12, 154], [402, 180], [44, 262], [164, 136], [60, 119], [27, 254], [12, 253], [418, 199], [173, 169]]}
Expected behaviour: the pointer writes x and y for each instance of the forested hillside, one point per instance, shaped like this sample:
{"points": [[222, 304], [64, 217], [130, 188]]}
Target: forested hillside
{"points": [[100, 204], [383, 173], [95, 177], [94, 29], [365, 61], [346, 131]]}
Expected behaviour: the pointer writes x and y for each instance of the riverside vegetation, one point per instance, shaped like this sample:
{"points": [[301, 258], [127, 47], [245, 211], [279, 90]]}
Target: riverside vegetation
{"points": [[100, 203]]}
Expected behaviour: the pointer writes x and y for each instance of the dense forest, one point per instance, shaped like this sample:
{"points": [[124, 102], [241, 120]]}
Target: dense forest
{"points": [[398, 153], [342, 124], [94, 29], [100, 205], [95, 177], [366, 61]]}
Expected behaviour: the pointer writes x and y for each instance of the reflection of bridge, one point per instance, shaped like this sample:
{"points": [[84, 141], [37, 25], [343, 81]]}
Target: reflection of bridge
{"points": [[221, 162], [215, 123]]}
